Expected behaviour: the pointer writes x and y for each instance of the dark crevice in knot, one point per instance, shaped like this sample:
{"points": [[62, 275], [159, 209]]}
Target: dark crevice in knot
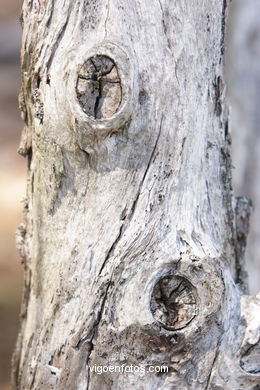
{"points": [[174, 302], [99, 87]]}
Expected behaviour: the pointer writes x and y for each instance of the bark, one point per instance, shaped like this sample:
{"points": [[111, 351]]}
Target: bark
{"points": [[243, 74], [132, 246]]}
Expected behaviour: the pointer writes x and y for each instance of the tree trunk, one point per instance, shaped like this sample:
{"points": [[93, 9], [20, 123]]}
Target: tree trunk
{"points": [[132, 242]]}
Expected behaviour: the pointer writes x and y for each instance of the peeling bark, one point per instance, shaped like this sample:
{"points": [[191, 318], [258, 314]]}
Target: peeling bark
{"points": [[130, 215]]}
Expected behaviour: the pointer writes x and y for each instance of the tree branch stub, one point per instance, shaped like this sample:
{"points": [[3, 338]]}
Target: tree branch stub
{"points": [[99, 87], [174, 302]]}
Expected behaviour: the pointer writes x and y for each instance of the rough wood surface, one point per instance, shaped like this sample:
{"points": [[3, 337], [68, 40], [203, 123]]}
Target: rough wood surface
{"points": [[125, 202]]}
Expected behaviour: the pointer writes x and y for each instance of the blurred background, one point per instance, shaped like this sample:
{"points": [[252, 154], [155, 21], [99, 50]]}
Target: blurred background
{"points": [[12, 183], [243, 91]]}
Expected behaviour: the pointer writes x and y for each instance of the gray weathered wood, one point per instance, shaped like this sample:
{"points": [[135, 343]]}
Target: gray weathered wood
{"points": [[130, 216]]}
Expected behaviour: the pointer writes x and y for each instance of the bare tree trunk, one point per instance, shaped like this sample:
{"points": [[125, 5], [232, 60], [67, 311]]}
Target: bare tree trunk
{"points": [[131, 245]]}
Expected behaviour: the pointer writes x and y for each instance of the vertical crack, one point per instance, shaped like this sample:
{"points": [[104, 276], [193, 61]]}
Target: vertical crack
{"points": [[146, 172], [99, 87], [96, 107], [112, 249]]}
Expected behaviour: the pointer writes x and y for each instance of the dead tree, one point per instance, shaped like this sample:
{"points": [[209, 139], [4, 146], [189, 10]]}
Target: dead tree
{"points": [[133, 243]]}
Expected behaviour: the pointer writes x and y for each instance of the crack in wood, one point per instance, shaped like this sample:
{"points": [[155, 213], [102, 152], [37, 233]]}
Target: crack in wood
{"points": [[145, 173], [112, 249], [99, 87]]}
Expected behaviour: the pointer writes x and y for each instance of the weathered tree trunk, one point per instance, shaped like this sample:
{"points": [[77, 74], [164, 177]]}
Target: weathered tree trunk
{"points": [[131, 245]]}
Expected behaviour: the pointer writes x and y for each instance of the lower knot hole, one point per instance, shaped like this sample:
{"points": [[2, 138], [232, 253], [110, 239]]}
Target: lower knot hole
{"points": [[174, 302]]}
